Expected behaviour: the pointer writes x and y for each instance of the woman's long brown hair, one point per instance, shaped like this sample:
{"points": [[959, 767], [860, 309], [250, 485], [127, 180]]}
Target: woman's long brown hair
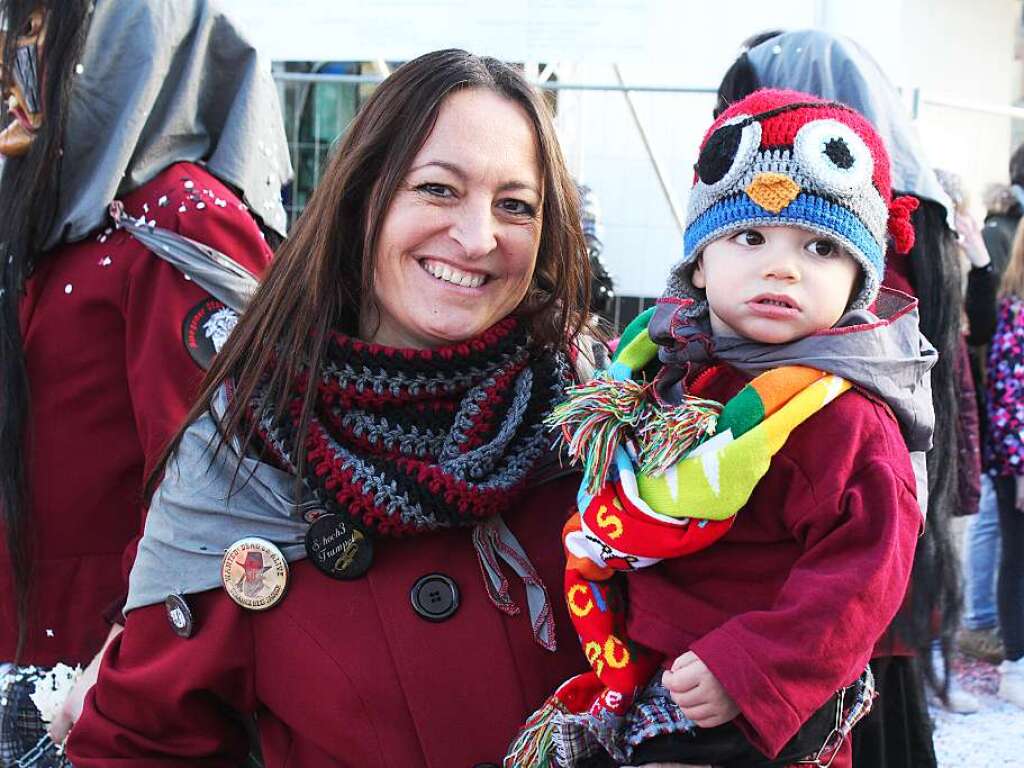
{"points": [[1012, 283], [322, 275]]}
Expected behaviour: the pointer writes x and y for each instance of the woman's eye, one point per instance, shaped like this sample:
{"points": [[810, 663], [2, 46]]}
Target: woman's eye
{"points": [[823, 248], [436, 190], [517, 207]]}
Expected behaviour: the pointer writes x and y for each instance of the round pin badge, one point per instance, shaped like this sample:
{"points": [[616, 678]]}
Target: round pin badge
{"points": [[254, 573], [179, 615], [312, 512], [338, 548], [206, 329]]}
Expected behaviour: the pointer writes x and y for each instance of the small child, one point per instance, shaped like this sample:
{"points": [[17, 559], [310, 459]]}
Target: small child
{"points": [[767, 542]]}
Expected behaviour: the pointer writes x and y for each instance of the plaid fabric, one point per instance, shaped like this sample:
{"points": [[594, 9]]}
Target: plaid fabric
{"points": [[854, 703], [653, 713], [24, 742], [581, 738]]}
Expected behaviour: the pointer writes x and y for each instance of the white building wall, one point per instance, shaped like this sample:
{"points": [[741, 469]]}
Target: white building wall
{"points": [[947, 49], [964, 53]]}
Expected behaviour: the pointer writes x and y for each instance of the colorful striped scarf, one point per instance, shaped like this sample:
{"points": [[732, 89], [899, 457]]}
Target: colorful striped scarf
{"points": [[660, 481]]}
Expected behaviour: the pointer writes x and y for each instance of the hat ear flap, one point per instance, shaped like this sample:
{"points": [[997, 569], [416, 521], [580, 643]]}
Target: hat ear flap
{"points": [[900, 226]]}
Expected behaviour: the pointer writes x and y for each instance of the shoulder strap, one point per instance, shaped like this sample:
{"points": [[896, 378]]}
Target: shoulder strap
{"points": [[222, 277]]}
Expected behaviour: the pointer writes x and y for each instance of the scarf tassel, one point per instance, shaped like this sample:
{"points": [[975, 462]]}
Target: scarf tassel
{"points": [[536, 746], [605, 413], [596, 418], [672, 432]]}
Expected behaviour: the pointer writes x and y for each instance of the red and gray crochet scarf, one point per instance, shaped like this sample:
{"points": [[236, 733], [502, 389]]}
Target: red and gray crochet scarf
{"points": [[406, 441]]}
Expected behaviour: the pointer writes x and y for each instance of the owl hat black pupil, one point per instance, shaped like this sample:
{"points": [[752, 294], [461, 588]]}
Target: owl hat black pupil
{"points": [[719, 152], [839, 153]]}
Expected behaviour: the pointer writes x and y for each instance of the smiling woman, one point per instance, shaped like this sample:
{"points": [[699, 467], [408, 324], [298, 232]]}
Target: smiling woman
{"points": [[394, 527], [459, 244]]}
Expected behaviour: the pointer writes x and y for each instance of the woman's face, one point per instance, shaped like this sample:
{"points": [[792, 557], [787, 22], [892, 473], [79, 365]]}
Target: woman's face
{"points": [[459, 243]]}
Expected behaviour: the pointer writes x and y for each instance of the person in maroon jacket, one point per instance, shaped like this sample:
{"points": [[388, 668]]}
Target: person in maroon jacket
{"points": [[373, 431], [898, 730], [164, 108], [763, 623]]}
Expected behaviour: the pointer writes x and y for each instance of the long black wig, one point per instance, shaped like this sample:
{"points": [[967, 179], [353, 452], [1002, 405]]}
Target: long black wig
{"points": [[29, 195]]}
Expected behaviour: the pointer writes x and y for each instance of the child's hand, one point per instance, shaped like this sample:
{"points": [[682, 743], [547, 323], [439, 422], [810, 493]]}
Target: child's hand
{"points": [[698, 693]]}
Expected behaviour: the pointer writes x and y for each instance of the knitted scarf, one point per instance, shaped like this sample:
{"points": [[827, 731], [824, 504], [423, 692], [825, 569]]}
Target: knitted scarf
{"points": [[660, 481], [407, 441]]}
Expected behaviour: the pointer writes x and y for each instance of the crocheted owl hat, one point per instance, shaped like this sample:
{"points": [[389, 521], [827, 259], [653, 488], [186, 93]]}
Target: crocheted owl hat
{"points": [[784, 158]]}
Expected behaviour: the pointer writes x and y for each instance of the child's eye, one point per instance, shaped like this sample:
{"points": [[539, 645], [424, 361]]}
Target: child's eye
{"points": [[517, 207], [749, 237], [823, 248]]}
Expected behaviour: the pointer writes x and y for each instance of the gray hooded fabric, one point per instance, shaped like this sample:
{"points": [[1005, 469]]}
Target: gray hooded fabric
{"points": [[209, 499], [160, 82], [833, 67]]}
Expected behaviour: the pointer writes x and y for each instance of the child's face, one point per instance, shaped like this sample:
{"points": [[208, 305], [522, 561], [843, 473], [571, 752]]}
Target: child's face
{"points": [[775, 284]]}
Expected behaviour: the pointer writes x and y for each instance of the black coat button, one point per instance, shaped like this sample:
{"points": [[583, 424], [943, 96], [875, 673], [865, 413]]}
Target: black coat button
{"points": [[435, 597]]}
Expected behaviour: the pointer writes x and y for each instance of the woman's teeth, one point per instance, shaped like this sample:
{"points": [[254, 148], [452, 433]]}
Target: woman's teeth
{"points": [[453, 276]]}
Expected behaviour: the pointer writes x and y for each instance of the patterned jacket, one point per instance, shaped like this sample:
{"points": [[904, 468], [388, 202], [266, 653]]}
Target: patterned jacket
{"points": [[1005, 440]]}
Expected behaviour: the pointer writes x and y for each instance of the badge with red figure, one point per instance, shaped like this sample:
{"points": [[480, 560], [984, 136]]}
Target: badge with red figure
{"points": [[254, 573]]}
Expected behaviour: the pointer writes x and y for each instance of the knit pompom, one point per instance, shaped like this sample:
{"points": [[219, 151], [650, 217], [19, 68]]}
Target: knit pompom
{"points": [[900, 226]]}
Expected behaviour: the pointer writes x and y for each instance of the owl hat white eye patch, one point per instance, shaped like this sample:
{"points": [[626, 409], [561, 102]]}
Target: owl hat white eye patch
{"points": [[834, 156]]}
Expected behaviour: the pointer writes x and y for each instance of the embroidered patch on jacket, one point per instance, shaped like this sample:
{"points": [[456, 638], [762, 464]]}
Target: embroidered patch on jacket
{"points": [[206, 329]]}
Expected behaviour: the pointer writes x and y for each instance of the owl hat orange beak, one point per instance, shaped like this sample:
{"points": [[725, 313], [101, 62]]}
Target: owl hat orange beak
{"points": [[773, 191]]}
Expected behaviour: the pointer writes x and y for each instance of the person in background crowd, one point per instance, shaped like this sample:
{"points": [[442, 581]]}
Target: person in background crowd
{"points": [[380, 459], [898, 730], [1005, 455], [602, 286], [163, 107], [975, 494], [1004, 206], [979, 634]]}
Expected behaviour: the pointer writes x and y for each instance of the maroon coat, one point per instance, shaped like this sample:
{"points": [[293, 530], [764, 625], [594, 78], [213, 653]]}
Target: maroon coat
{"points": [[104, 323], [785, 608], [968, 438], [341, 673]]}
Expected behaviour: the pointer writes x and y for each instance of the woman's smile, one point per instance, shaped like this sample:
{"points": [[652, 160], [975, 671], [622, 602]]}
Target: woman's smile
{"points": [[451, 275]]}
